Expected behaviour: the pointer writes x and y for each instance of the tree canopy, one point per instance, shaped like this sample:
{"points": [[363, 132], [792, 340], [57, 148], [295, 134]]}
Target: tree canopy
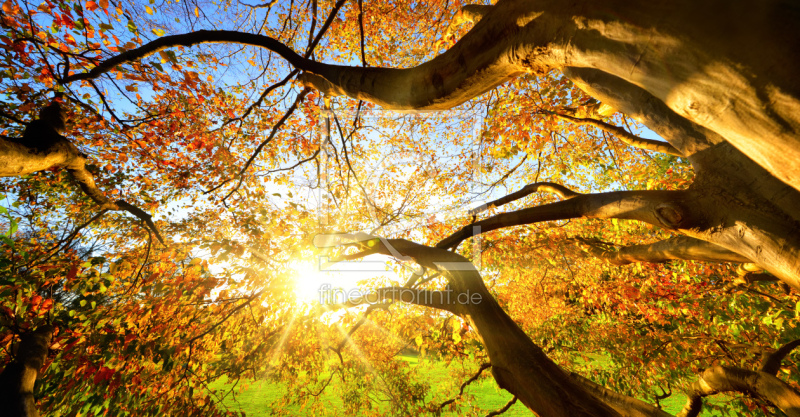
{"points": [[596, 205]]}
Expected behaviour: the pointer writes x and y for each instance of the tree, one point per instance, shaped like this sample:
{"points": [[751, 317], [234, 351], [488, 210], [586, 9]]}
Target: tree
{"points": [[715, 80]]}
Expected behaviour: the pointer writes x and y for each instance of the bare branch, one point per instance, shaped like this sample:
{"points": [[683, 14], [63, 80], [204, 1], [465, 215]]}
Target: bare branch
{"points": [[247, 302], [504, 408], [266, 5], [13, 118], [269, 138], [196, 38], [261, 98], [143, 216], [623, 135], [474, 378]]}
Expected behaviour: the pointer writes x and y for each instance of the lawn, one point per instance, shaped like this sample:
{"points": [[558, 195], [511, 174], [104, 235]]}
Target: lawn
{"points": [[256, 398]]}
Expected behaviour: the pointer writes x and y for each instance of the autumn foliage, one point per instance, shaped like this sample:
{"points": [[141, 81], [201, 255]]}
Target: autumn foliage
{"points": [[241, 164]]}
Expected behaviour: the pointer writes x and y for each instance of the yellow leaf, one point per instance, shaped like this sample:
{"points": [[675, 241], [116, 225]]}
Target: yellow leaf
{"points": [[253, 63], [196, 11], [148, 9], [418, 339]]}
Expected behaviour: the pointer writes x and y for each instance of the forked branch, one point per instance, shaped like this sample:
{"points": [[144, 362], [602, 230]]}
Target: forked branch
{"points": [[758, 384]]}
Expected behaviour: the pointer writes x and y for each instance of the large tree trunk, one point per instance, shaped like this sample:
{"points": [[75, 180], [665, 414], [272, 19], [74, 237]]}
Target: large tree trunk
{"points": [[19, 376]]}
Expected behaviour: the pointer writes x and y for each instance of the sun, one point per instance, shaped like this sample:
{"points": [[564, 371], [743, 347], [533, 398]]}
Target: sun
{"points": [[310, 282]]}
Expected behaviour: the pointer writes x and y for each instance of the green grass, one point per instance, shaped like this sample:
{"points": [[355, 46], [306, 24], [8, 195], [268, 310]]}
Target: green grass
{"points": [[255, 398]]}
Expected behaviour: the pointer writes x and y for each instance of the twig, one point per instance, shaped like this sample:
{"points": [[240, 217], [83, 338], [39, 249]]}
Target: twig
{"points": [[477, 375], [504, 409]]}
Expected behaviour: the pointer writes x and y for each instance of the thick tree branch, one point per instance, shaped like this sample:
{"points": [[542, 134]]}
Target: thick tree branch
{"points": [[192, 39], [687, 137], [666, 209], [18, 159], [516, 37], [681, 247], [757, 384], [468, 69]]}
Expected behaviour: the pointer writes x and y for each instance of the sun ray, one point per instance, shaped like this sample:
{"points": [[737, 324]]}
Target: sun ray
{"points": [[284, 335]]}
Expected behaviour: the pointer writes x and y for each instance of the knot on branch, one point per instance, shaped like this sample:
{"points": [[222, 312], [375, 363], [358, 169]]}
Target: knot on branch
{"points": [[321, 84], [672, 216]]}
